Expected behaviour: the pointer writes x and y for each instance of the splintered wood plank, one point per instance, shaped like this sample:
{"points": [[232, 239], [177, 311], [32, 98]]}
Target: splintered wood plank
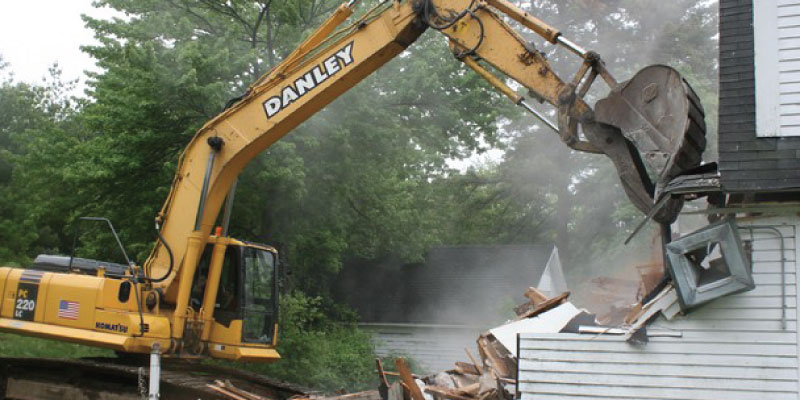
{"points": [[497, 362], [535, 296], [225, 392], [475, 363], [227, 385], [467, 368], [545, 306], [408, 379], [381, 374]]}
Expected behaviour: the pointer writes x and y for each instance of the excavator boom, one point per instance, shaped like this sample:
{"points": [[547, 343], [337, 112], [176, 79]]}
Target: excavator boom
{"points": [[200, 294]]}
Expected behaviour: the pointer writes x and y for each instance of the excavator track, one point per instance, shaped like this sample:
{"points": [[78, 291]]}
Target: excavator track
{"points": [[116, 379]]}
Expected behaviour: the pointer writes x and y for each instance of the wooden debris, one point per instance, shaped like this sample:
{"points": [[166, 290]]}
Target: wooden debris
{"points": [[396, 392], [391, 373], [446, 393], [406, 391], [633, 313], [489, 387], [467, 368], [383, 387], [381, 373], [524, 308], [499, 362], [228, 389], [469, 390], [442, 379], [535, 296], [664, 300], [241, 392], [478, 367], [225, 392], [492, 377], [462, 380], [408, 379], [545, 306]]}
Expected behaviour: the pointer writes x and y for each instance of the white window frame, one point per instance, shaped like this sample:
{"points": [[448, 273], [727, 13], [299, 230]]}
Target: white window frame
{"points": [[771, 118], [765, 29]]}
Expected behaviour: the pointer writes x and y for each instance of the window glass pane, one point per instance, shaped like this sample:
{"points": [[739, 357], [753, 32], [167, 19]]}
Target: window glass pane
{"points": [[259, 291], [200, 278], [226, 295]]}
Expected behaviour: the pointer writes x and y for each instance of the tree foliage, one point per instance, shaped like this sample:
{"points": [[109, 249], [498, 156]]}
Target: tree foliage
{"points": [[373, 175]]}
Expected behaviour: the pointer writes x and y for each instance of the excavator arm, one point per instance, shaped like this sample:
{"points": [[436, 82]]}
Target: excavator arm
{"points": [[184, 300], [636, 117], [326, 65]]}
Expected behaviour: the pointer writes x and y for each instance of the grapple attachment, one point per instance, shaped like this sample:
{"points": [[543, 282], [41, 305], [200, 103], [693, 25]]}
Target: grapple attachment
{"points": [[662, 116]]}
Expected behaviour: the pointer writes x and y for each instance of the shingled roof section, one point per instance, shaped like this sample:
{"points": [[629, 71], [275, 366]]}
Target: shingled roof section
{"points": [[747, 163], [456, 285]]}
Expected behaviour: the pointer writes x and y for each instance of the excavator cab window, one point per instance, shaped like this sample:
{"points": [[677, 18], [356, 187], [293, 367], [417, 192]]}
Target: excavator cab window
{"points": [[200, 278], [260, 289], [247, 291], [227, 299]]}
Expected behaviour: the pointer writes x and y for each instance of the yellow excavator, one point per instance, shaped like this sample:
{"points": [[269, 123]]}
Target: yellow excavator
{"points": [[201, 293]]}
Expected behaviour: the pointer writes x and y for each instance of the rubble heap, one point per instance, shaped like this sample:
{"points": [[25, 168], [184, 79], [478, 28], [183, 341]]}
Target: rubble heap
{"points": [[490, 376]]}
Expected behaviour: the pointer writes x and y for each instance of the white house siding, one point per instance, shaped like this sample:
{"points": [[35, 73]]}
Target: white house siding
{"points": [[433, 347], [777, 66], [732, 348]]}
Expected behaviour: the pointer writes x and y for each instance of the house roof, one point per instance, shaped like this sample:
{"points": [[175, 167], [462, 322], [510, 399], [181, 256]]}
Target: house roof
{"points": [[454, 285]]}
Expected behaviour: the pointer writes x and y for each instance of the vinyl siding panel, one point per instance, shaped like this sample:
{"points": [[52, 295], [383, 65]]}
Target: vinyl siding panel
{"points": [[731, 348]]}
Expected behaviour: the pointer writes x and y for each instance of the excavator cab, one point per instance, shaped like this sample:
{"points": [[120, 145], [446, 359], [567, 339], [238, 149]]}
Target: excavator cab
{"points": [[243, 285]]}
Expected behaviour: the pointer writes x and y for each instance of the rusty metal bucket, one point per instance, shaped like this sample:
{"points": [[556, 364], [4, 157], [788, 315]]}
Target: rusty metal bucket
{"points": [[661, 114]]}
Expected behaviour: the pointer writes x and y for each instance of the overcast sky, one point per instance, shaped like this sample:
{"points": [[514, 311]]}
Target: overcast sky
{"points": [[36, 33]]}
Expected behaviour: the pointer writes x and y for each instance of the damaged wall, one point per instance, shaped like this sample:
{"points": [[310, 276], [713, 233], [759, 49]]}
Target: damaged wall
{"points": [[732, 348]]}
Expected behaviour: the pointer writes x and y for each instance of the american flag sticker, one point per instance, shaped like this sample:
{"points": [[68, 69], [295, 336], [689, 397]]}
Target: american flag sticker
{"points": [[68, 309]]}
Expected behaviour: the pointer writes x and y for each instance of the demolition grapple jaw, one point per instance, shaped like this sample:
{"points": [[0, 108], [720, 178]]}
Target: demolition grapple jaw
{"points": [[653, 129]]}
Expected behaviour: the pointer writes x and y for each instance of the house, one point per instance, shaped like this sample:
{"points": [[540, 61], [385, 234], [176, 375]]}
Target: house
{"points": [[740, 346], [431, 311]]}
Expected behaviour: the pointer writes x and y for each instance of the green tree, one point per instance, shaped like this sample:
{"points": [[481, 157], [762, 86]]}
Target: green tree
{"points": [[29, 117], [351, 182]]}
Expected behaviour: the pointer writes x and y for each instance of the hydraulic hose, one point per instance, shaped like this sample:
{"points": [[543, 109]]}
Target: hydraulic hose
{"points": [[169, 252]]}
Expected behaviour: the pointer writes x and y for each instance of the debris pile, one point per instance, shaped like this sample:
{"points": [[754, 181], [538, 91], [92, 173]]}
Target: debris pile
{"points": [[492, 375]]}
